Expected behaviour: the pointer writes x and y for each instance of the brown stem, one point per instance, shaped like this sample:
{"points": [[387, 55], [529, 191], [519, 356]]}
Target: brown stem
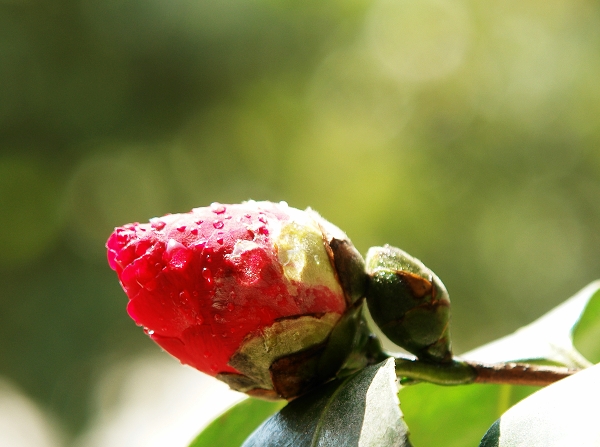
{"points": [[519, 373]]}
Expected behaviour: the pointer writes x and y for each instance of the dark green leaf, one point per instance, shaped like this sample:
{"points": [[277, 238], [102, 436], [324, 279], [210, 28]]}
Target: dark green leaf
{"points": [[359, 410], [549, 338], [562, 414], [232, 427]]}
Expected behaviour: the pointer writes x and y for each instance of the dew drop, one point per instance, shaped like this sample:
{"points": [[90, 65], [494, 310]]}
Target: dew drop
{"points": [[207, 275], [198, 246], [148, 331], [217, 208], [176, 255], [220, 241], [158, 225], [185, 296], [218, 224]]}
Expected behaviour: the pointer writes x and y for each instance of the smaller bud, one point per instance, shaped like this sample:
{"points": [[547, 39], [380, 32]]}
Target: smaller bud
{"points": [[409, 303]]}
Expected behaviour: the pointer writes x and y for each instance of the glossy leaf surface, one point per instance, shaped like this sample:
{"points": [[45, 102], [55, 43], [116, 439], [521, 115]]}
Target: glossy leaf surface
{"points": [[357, 411]]}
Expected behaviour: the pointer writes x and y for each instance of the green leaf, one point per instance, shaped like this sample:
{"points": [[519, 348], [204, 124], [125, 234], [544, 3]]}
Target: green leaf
{"points": [[549, 338], [358, 410], [562, 414], [455, 416], [233, 427], [586, 335]]}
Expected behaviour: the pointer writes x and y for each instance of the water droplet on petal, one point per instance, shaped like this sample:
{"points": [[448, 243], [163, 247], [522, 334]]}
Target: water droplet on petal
{"points": [[217, 208], [218, 224], [207, 275], [220, 241], [185, 296], [173, 245], [148, 331], [157, 224], [177, 255]]}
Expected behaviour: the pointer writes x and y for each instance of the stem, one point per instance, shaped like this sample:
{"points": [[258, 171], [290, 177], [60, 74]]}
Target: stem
{"points": [[461, 372], [519, 373]]}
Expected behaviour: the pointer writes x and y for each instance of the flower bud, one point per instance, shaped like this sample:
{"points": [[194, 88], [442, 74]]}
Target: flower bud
{"points": [[409, 303], [253, 293]]}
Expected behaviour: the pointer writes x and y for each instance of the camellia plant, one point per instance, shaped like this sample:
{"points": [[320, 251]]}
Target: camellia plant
{"points": [[277, 303]]}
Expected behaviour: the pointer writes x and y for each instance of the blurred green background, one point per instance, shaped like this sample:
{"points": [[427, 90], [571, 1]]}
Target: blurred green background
{"points": [[465, 132]]}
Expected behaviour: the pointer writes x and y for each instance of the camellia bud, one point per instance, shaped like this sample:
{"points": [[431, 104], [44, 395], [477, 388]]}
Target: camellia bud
{"points": [[409, 303], [263, 296]]}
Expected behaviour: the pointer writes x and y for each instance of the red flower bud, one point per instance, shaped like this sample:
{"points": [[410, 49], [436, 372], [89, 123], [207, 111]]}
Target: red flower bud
{"points": [[250, 293]]}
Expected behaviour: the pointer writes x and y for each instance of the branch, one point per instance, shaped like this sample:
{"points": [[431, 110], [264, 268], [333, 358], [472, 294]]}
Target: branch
{"points": [[519, 373], [461, 372]]}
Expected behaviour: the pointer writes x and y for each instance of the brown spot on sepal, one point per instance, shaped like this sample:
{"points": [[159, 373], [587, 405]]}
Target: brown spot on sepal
{"points": [[419, 286], [295, 374]]}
